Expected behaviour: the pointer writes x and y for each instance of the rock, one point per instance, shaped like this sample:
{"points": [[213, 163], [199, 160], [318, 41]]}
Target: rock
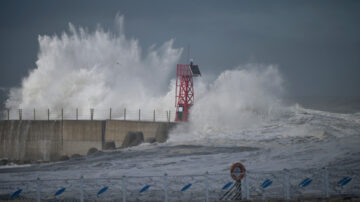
{"points": [[150, 140], [92, 151], [76, 156], [132, 139], [109, 145], [64, 158], [161, 136], [4, 162]]}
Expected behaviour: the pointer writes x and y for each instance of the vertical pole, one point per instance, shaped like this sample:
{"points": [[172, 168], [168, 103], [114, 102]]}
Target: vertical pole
{"points": [[62, 114], [110, 114], [77, 114], [124, 188], [154, 116], [207, 186], [8, 114], [82, 188], [286, 184], [20, 114], [124, 113], [139, 115], [247, 195], [91, 114], [38, 199], [169, 115], [326, 182], [165, 188], [48, 113], [34, 115]]}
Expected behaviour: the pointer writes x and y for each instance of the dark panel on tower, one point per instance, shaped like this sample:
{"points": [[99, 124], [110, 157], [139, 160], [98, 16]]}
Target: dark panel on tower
{"points": [[195, 70]]}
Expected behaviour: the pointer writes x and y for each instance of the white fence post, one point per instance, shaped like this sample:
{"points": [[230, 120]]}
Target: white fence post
{"points": [[286, 184], [124, 188], [165, 188], [38, 198], [207, 186], [326, 182], [81, 189]]}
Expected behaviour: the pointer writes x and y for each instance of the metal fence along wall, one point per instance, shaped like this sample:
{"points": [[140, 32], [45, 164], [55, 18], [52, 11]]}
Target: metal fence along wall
{"points": [[91, 114], [322, 183]]}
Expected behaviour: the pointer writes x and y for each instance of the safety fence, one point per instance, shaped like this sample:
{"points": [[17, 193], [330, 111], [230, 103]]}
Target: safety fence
{"points": [[90, 114], [288, 185]]}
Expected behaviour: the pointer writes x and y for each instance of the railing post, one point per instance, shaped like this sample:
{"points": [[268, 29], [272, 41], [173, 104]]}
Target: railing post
{"points": [[62, 114], [124, 114], [8, 114], [207, 186], [124, 188], [34, 115], [77, 114], [82, 188], [110, 114], [326, 182], [20, 114], [38, 197], [48, 113], [139, 114], [286, 184], [165, 188], [154, 116], [92, 114], [169, 115]]}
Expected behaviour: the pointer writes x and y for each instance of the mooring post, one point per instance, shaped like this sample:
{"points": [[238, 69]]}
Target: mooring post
{"points": [[165, 188], [326, 182], [110, 114], [124, 114], [20, 114], [48, 113], [124, 188], [82, 188], [154, 116], [8, 114], [38, 198], [34, 115], [92, 114], [207, 186], [77, 114]]}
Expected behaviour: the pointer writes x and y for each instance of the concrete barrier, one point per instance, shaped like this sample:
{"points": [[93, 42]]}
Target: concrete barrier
{"points": [[49, 140]]}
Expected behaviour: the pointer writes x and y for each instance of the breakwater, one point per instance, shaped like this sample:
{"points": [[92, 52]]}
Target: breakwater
{"points": [[42, 140]]}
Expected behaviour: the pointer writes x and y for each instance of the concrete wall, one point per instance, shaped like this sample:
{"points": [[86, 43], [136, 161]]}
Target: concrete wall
{"points": [[48, 140]]}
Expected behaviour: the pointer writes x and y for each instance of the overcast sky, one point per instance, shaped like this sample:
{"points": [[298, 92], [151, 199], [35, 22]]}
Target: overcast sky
{"points": [[316, 44]]}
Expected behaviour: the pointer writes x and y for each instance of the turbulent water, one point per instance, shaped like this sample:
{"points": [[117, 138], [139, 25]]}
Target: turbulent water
{"points": [[238, 117]]}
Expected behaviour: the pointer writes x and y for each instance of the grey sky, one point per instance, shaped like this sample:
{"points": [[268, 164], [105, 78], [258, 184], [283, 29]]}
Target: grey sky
{"points": [[315, 43]]}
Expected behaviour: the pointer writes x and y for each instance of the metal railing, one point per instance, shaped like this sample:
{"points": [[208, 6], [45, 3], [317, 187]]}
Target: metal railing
{"points": [[91, 114], [288, 185]]}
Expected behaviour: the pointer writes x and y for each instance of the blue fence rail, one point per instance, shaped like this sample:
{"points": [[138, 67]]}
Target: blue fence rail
{"points": [[286, 185]]}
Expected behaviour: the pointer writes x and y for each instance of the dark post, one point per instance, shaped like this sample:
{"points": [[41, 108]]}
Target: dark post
{"points": [[77, 113], [8, 113], [110, 113], [124, 113], [154, 116], [91, 114], [34, 114], [139, 115], [48, 114], [169, 115], [62, 114], [20, 114]]}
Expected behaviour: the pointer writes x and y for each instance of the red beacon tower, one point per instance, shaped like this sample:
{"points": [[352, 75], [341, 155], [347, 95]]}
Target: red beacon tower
{"points": [[184, 93]]}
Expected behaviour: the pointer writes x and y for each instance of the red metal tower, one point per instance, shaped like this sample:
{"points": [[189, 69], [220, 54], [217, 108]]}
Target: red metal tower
{"points": [[184, 94]]}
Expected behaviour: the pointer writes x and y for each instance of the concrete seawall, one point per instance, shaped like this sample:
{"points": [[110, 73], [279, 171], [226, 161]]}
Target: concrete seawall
{"points": [[49, 140]]}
